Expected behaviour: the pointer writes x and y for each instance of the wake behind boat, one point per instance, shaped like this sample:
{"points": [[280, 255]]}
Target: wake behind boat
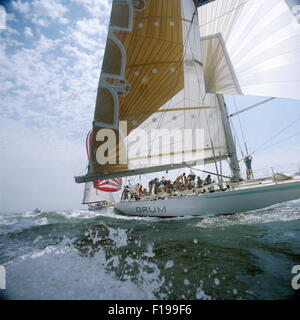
{"points": [[160, 104]]}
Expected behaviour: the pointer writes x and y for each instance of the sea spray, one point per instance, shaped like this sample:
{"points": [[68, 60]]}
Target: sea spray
{"points": [[79, 254]]}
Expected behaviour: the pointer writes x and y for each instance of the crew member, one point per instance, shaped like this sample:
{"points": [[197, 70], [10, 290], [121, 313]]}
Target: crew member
{"points": [[153, 183], [125, 193], [248, 163], [192, 176], [208, 180], [199, 182]]}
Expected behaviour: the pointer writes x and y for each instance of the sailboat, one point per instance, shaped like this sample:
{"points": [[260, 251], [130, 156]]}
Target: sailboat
{"points": [[100, 194], [160, 104], [96, 198]]}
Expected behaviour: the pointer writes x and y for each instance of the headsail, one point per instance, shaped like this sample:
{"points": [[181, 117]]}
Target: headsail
{"points": [[93, 195], [101, 190], [141, 47], [251, 47], [152, 76]]}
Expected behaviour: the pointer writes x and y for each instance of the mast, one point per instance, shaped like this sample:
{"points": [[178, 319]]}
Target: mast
{"points": [[234, 163]]}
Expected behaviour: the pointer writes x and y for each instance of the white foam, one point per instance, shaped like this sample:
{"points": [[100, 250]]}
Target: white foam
{"points": [[79, 214], [18, 226], [119, 236], [149, 253], [62, 272], [200, 294], [55, 274], [8, 221], [288, 211], [169, 264], [41, 222], [31, 214]]}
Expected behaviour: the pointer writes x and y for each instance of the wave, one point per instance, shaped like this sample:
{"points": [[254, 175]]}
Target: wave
{"points": [[88, 268], [18, 222], [287, 211], [80, 254], [11, 223]]}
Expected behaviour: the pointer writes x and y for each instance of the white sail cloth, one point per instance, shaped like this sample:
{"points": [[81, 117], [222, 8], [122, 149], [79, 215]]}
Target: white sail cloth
{"points": [[251, 47], [206, 138], [191, 109], [93, 195], [152, 70]]}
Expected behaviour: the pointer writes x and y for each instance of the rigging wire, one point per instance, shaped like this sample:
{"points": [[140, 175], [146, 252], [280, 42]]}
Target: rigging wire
{"points": [[241, 127], [261, 147], [276, 143], [224, 14], [236, 136]]}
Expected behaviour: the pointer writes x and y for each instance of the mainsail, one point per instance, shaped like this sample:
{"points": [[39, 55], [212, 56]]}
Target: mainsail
{"points": [[206, 117], [152, 78], [166, 64], [251, 47]]}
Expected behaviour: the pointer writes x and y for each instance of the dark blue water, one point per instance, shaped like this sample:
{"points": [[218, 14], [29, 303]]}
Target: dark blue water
{"points": [[101, 255]]}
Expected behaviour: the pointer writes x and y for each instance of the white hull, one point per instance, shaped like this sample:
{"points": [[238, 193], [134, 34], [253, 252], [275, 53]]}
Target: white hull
{"points": [[226, 202]]}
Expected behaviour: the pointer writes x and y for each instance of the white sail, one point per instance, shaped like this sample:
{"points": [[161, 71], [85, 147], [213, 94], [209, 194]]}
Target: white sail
{"points": [[152, 78], [101, 190], [251, 47], [189, 109], [93, 195], [203, 119]]}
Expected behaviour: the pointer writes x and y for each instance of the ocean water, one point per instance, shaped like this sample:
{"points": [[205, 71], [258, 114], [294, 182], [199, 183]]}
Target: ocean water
{"points": [[80, 254]]}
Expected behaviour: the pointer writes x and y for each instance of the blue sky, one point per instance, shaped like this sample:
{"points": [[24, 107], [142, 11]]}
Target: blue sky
{"points": [[264, 127], [50, 58]]}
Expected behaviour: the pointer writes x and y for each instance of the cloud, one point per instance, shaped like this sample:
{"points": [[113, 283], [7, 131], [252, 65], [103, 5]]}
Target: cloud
{"points": [[88, 32], [21, 6], [28, 32], [96, 8], [55, 80], [42, 12], [49, 78]]}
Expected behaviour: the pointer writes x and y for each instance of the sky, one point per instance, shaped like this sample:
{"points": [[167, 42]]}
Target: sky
{"points": [[50, 59]]}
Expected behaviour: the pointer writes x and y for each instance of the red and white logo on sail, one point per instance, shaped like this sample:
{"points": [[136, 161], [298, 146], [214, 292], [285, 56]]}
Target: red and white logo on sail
{"points": [[110, 185]]}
